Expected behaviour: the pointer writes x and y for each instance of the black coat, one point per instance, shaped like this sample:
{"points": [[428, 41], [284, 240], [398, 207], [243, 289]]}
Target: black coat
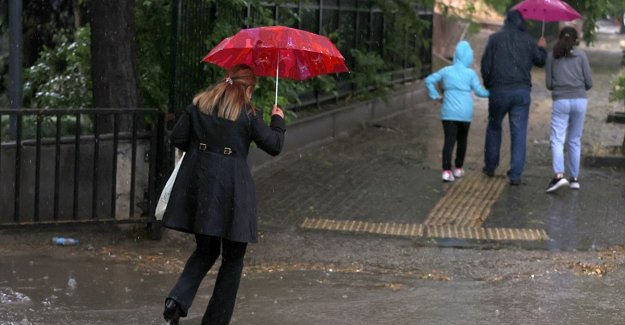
{"points": [[509, 55], [214, 192]]}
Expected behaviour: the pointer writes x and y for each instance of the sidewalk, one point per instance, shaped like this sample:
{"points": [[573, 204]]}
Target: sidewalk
{"points": [[387, 176]]}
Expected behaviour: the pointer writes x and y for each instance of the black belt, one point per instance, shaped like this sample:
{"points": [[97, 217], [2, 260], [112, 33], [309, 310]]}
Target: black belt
{"points": [[226, 151]]}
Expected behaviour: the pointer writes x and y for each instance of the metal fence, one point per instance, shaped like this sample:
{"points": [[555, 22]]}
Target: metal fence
{"points": [[66, 166], [359, 23]]}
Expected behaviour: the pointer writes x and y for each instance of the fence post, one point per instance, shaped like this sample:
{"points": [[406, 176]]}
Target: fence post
{"points": [[15, 61]]}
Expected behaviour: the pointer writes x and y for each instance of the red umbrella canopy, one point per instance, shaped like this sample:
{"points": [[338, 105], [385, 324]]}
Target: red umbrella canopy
{"points": [[297, 54], [547, 10]]}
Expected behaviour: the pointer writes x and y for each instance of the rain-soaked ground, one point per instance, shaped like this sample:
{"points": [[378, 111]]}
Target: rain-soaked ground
{"points": [[298, 276], [321, 279]]}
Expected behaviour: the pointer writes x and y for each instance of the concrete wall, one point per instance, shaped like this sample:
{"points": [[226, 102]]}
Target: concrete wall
{"points": [[324, 127], [66, 181]]}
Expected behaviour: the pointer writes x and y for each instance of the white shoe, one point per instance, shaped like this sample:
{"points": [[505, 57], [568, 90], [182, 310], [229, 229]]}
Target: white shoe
{"points": [[447, 176], [458, 172], [574, 183], [556, 183]]}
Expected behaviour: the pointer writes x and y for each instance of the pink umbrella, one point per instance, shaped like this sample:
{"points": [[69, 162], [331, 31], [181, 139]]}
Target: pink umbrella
{"points": [[547, 10]]}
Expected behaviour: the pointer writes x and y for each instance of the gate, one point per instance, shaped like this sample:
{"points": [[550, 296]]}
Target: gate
{"points": [[76, 166]]}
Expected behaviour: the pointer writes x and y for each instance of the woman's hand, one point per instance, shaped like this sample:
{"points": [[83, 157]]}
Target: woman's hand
{"points": [[277, 111]]}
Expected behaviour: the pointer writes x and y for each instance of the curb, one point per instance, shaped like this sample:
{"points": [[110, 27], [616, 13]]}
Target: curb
{"points": [[324, 127]]}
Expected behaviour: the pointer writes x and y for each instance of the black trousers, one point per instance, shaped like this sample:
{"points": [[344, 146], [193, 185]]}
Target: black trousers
{"points": [[208, 248], [455, 131]]}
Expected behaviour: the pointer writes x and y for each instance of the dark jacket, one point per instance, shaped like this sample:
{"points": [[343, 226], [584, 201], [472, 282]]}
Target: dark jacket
{"points": [[509, 55], [214, 193]]}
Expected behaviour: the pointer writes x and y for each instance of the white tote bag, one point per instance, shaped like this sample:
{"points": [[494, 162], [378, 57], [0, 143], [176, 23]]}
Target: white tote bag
{"points": [[161, 206]]}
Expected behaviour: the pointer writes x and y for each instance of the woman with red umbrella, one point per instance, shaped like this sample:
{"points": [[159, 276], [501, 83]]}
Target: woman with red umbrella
{"points": [[213, 196]]}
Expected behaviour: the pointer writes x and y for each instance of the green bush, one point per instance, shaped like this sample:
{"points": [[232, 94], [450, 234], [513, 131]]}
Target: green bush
{"points": [[153, 21], [617, 91], [48, 126], [61, 77], [370, 77]]}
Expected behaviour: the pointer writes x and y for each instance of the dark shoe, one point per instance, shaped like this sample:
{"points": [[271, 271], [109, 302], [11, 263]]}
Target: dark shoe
{"points": [[515, 182], [574, 183], [556, 183], [487, 172], [172, 312]]}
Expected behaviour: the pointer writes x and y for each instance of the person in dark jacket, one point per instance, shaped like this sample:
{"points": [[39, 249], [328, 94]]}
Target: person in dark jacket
{"points": [[506, 71], [213, 196]]}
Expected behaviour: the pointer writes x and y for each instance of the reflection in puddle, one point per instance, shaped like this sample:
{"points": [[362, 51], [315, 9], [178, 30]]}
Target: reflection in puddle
{"points": [[9, 296]]}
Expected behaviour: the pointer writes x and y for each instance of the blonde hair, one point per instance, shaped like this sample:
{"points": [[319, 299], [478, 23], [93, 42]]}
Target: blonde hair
{"points": [[228, 96]]}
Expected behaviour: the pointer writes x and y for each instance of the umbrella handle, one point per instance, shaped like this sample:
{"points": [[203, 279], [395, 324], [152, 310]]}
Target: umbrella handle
{"points": [[277, 66], [543, 35]]}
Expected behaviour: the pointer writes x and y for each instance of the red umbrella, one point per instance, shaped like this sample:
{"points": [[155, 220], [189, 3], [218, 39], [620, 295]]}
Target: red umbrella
{"points": [[547, 10], [279, 51]]}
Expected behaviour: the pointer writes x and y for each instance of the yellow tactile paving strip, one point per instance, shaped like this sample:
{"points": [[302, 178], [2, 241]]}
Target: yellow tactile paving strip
{"points": [[384, 228], [459, 214], [418, 230], [448, 231], [468, 202]]}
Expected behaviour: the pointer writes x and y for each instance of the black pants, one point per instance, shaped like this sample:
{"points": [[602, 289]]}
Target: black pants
{"points": [[221, 305], [455, 131]]}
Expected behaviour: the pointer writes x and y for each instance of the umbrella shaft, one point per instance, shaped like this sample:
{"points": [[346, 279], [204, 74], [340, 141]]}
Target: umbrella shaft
{"points": [[277, 66]]}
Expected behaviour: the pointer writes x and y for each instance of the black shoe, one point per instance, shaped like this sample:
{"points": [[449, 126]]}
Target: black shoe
{"points": [[556, 183], [574, 183], [487, 172], [515, 182], [172, 312]]}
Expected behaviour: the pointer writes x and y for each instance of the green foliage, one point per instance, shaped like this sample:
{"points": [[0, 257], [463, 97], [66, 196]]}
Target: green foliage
{"points": [[61, 76], [226, 23], [405, 30], [48, 126], [501, 6], [591, 11], [369, 78], [617, 91], [153, 21]]}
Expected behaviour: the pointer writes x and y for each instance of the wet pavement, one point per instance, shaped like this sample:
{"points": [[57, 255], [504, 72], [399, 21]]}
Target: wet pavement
{"points": [[361, 230]]}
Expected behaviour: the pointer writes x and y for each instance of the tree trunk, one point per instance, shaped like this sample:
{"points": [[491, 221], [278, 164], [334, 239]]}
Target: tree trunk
{"points": [[77, 14], [114, 57]]}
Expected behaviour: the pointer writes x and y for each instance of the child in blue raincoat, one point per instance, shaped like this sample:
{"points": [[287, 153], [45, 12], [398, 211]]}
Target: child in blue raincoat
{"points": [[458, 81]]}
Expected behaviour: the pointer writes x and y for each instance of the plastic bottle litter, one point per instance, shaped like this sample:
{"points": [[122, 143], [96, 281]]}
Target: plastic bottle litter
{"points": [[62, 241]]}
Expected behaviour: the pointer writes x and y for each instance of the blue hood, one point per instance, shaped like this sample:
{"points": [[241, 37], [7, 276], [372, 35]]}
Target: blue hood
{"points": [[458, 82], [464, 54]]}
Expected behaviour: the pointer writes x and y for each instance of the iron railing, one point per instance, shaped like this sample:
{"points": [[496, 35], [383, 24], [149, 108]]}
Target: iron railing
{"points": [[80, 166], [362, 25]]}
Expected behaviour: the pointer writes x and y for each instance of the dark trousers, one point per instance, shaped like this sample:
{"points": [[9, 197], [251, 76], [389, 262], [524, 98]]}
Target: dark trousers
{"points": [[455, 132], [516, 104], [221, 305]]}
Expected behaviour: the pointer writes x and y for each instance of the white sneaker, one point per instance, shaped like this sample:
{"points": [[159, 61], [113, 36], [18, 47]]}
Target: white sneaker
{"points": [[556, 183], [574, 183], [447, 176], [458, 172]]}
